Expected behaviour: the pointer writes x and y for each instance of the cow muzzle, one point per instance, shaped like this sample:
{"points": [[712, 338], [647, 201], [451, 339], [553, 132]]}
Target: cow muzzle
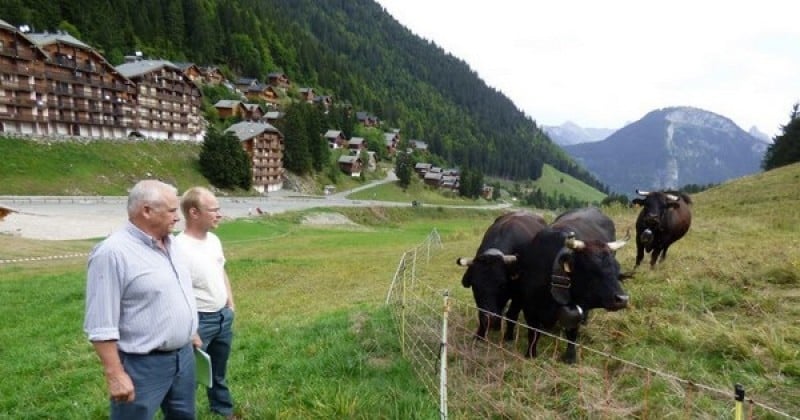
{"points": [[646, 236], [619, 302]]}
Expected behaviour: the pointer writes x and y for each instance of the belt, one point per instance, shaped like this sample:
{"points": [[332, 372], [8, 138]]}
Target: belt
{"points": [[162, 352]]}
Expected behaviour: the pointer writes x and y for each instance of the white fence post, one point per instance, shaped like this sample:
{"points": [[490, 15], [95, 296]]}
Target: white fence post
{"points": [[443, 360]]}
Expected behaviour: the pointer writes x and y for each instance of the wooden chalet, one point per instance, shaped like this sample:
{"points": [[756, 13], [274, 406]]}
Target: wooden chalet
{"points": [[264, 144], [263, 92], [325, 101], [253, 112], [273, 117], [336, 139], [212, 75], [367, 119], [357, 144], [418, 146], [244, 83], [390, 140], [306, 94], [227, 108], [191, 71], [278, 79], [350, 165], [422, 168]]}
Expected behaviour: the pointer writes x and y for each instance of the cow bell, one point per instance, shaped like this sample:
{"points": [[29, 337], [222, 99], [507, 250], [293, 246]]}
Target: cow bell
{"points": [[570, 317]]}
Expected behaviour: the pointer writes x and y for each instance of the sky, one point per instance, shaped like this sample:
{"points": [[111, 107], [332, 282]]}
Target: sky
{"points": [[605, 64]]}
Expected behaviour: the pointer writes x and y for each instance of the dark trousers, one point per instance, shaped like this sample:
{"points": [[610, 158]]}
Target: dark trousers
{"points": [[164, 380], [216, 331]]}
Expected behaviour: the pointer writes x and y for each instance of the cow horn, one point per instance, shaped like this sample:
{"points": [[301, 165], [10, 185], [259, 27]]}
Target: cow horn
{"points": [[574, 244], [464, 261], [617, 244], [509, 259], [672, 197], [642, 193]]}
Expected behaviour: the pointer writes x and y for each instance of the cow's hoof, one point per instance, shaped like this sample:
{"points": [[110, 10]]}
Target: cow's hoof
{"points": [[569, 359]]}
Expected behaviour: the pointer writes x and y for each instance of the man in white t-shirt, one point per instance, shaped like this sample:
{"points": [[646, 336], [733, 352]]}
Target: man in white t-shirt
{"points": [[212, 289]]}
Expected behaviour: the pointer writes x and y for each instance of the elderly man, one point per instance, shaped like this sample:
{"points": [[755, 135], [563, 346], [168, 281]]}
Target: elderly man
{"points": [[141, 315]]}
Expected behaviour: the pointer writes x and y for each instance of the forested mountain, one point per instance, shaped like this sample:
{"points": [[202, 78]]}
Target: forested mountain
{"points": [[352, 50]]}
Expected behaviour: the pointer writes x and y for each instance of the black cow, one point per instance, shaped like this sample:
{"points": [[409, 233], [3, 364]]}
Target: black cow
{"points": [[491, 272], [569, 269], [665, 218]]}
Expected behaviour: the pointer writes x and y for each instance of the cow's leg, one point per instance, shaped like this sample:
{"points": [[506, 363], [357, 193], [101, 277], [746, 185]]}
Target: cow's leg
{"points": [[639, 254], [654, 257], [664, 253], [512, 316], [571, 335], [483, 325], [533, 340]]}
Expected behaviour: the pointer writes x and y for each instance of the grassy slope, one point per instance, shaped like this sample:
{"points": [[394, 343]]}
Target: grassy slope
{"points": [[111, 167]]}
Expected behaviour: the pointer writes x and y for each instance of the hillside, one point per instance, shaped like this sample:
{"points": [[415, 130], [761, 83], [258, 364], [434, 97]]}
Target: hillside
{"points": [[353, 51], [111, 167]]}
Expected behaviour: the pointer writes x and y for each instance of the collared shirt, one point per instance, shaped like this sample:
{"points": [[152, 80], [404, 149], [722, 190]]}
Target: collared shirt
{"points": [[138, 294], [207, 266]]}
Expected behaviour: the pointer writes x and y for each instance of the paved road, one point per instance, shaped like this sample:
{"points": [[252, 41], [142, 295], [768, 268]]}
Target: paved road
{"points": [[61, 218]]}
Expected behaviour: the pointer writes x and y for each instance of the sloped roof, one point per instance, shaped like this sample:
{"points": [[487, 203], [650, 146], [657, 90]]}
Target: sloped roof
{"points": [[227, 103], [332, 134], [140, 67], [46, 38], [248, 129]]}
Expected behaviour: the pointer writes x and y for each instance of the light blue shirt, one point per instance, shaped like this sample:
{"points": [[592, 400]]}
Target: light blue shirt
{"points": [[138, 294]]}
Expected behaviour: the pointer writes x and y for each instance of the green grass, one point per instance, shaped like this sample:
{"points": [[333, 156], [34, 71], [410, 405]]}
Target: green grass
{"points": [[417, 191], [314, 339], [554, 182], [94, 168]]}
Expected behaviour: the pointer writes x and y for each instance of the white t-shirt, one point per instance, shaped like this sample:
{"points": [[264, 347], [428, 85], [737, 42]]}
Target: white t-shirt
{"points": [[207, 267]]}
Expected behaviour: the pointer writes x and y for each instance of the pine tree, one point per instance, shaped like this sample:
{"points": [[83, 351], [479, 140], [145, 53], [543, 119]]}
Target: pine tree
{"points": [[403, 168], [224, 162], [785, 148]]}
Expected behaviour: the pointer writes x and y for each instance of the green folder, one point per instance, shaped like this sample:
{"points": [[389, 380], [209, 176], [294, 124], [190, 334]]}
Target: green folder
{"points": [[202, 367]]}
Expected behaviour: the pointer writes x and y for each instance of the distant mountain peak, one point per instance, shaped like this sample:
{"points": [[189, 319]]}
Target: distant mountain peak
{"points": [[572, 133], [669, 148]]}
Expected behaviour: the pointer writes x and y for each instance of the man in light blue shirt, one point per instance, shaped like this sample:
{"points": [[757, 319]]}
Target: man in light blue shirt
{"points": [[141, 315]]}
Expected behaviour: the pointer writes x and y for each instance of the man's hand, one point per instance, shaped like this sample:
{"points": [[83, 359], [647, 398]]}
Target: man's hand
{"points": [[120, 387], [196, 341]]}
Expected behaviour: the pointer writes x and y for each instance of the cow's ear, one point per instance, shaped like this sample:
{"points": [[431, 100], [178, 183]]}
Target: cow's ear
{"points": [[637, 201]]}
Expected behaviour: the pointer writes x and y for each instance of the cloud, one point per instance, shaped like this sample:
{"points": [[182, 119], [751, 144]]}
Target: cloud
{"points": [[604, 64]]}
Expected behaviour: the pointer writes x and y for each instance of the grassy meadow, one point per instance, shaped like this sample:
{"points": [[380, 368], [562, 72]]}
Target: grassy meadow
{"points": [[315, 340]]}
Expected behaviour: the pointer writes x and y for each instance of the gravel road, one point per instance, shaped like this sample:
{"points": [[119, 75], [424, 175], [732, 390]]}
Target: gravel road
{"points": [[62, 218]]}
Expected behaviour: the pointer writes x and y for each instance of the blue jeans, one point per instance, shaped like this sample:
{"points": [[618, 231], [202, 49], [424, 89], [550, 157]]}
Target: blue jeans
{"points": [[216, 331], [163, 380]]}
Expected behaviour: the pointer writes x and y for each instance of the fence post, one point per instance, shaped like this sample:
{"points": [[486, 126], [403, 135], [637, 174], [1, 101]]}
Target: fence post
{"points": [[738, 391], [403, 286], [443, 360], [394, 279]]}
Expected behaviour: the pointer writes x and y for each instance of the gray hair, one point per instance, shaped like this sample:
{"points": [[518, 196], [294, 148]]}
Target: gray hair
{"points": [[147, 191]]}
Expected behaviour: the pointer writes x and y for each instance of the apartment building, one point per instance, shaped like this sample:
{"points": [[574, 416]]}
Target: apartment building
{"points": [[52, 84]]}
